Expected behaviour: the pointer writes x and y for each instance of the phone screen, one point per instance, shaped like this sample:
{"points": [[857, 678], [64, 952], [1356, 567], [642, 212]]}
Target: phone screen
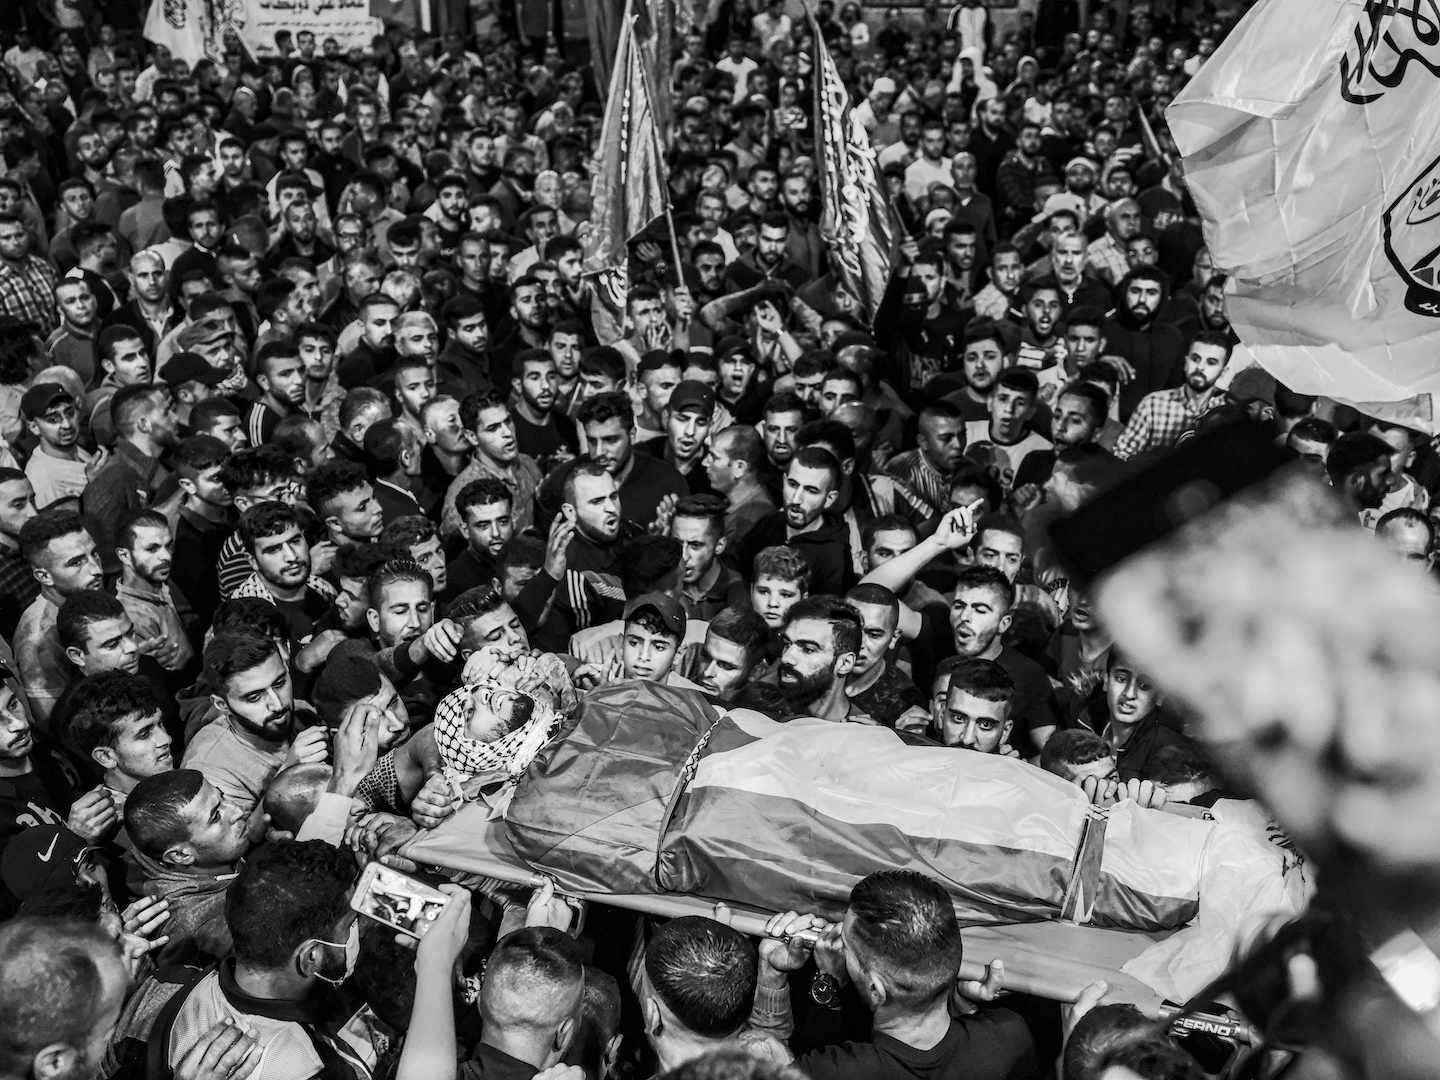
{"points": [[398, 900]]}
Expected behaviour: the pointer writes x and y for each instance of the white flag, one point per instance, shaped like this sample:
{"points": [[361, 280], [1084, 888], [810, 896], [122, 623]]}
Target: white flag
{"points": [[1313, 154]]}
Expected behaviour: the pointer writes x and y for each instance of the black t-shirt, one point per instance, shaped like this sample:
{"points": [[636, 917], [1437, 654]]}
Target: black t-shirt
{"points": [[889, 697], [541, 441], [993, 1044], [1034, 704], [302, 614]]}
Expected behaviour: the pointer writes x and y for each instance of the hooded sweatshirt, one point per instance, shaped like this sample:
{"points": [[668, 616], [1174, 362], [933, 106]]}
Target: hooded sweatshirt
{"points": [[826, 549], [1157, 352], [197, 908]]}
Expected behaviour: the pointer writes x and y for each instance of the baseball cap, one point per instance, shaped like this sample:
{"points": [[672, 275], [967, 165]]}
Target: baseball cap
{"points": [[40, 397], [41, 859], [204, 332], [1061, 200], [1253, 384], [664, 605], [189, 367], [693, 394], [729, 346]]}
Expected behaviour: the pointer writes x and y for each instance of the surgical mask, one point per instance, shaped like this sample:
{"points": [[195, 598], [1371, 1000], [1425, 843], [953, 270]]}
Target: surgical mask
{"points": [[351, 946]]}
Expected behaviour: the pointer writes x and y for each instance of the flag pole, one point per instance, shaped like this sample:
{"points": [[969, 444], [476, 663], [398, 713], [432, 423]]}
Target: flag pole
{"points": [[655, 119]]}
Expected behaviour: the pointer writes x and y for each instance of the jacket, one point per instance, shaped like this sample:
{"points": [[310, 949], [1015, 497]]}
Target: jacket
{"points": [[826, 549], [197, 906]]}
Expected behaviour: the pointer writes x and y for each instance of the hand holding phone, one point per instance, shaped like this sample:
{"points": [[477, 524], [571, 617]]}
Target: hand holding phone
{"points": [[398, 900]]}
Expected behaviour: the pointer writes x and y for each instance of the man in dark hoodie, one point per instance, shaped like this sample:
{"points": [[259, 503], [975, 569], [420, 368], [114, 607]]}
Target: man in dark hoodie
{"points": [[187, 841], [1153, 349], [812, 484], [463, 366]]}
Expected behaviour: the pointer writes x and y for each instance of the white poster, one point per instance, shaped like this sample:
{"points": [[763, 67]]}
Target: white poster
{"points": [[194, 29], [349, 22]]}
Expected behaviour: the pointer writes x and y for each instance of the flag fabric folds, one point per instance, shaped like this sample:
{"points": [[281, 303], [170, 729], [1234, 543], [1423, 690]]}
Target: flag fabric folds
{"points": [[1319, 186], [857, 222], [629, 190]]}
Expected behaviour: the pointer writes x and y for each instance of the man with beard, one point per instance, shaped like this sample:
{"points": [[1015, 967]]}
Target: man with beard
{"points": [[940, 452], [146, 427], [125, 361], [688, 415], [770, 259], [254, 736], [484, 507], [451, 212], [272, 535], [1040, 343], [301, 237], [463, 367], [144, 546], [818, 649], [708, 585], [923, 332], [1154, 350], [1018, 175], [1007, 267], [979, 615], [1069, 279], [281, 378], [977, 708], [875, 686], [490, 428], [591, 592], [1359, 467], [643, 481], [530, 308], [282, 308], [973, 207], [342, 497], [541, 431], [803, 246], [812, 485], [1161, 417], [373, 357]]}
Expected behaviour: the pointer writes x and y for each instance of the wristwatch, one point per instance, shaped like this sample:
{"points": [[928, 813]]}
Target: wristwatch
{"points": [[825, 990]]}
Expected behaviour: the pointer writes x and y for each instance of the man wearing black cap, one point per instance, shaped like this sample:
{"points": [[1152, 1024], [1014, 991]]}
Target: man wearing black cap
{"points": [[191, 380], [741, 389], [688, 418], [59, 468], [654, 629]]}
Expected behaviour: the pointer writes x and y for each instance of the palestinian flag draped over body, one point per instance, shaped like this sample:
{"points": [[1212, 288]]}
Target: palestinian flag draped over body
{"points": [[856, 220], [649, 790], [629, 190], [1317, 178]]}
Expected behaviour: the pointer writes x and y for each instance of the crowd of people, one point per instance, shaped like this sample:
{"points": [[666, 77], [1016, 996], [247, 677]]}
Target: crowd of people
{"points": [[306, 403]]}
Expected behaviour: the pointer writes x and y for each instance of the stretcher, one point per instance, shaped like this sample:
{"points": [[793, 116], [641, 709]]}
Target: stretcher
{"points": [[1053, 959]]}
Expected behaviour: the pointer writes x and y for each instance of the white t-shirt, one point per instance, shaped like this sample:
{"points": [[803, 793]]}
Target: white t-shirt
{"points": [[920, 174], [1004, 461], [741, 69]]}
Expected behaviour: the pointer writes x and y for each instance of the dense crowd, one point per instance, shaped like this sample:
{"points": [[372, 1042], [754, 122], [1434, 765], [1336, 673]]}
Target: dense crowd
{"points": [[307, 407]]}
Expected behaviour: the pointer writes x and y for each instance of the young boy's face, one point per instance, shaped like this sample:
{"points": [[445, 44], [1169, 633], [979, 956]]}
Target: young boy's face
{"points": [[772, 598], [972, 723], [647, 654]]}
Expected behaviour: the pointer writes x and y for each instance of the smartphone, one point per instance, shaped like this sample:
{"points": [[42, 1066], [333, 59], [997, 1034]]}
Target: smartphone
{"points": [[398, 900]]}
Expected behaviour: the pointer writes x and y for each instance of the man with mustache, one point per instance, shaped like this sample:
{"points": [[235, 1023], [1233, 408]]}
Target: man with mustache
{"points": [[254, 736], [1163, 416], [271, 533], [1153, 349], [145, 548], [806, 523], [819, 646]]}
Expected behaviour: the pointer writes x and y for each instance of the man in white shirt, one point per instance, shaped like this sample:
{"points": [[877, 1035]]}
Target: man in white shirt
{"points": [[931, 167], [737, 64]]}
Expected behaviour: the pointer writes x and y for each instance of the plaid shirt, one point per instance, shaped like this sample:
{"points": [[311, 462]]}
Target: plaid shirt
{"points": [[1160, 418], [1106, 259], [28, 292]]}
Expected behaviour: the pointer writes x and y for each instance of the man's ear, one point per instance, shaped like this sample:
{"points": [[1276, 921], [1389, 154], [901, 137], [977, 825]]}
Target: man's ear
{"points": [[565, 1035], [178, 855], [848, 466], [309, 958], [720, 546], [104, 756], [263, 381], [55, 1062], [373, 618], [332, 523], [43, 576], [1005, 621], [76, 656], [187, 486], [650, 1013], [875, 991], [830, 498], [844, 664], [218, 700]]}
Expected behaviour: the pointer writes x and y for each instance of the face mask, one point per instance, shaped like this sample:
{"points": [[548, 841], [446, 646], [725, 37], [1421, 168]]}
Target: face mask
{"points": [[352, 953]]}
